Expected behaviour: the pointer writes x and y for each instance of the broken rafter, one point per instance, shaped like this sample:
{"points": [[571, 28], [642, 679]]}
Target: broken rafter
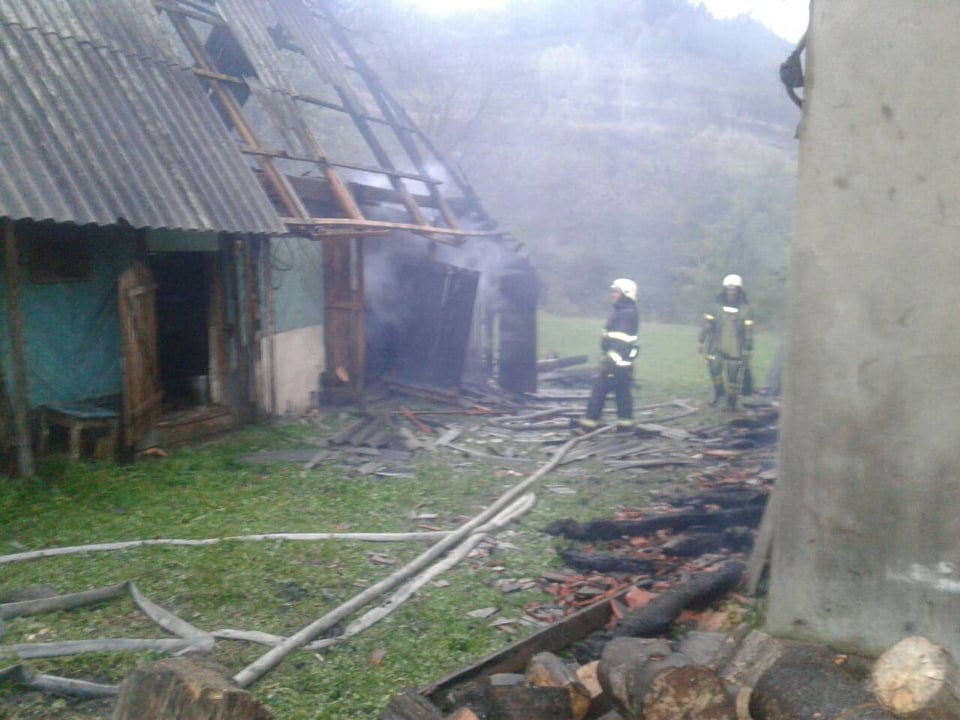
{"points": [[201, 15], [336, 107], [423, 229], [409, 414], [284, 155]]}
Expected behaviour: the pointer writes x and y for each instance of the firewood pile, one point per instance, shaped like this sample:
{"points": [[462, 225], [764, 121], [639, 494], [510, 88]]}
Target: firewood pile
{"points": [[739, 675]]}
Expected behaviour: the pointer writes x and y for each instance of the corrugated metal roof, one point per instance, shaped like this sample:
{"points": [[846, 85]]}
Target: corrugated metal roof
{"points": [[89, 134], [131, 27], [248, 21]]}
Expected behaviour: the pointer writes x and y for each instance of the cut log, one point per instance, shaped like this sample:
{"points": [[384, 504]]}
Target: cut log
{"points": [[687, 692], [186, 689], [647, 680], [463, 713], [587, 675], [712, 650], [410, 705], [619, 671], [522, 702], [806, 683], [918, 679], [752, 658], [547, 670]]}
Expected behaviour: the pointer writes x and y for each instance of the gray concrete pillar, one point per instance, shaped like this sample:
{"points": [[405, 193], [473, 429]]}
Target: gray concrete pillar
{"points": [[867, 543]]}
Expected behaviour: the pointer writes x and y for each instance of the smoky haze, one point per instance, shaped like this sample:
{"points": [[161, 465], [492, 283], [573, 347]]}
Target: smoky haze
{"points": [[640, 139]]}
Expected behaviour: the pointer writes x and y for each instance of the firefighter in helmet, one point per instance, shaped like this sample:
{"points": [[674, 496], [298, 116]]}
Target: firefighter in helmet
{"points": [[727, 341], [619, 346]]}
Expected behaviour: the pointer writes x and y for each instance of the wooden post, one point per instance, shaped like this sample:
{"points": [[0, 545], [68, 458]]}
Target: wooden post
{"points": [[19, 397], [360, 322], [267, 326]]}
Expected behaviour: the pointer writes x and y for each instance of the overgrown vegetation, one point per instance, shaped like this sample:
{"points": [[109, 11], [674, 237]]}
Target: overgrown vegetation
{"points": [[206, 490]]}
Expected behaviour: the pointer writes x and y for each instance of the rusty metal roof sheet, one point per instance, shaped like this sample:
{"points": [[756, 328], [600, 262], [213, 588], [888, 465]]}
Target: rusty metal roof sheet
{"points": [[97, 123]]}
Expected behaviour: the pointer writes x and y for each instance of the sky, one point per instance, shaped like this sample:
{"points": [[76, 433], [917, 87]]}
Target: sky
{"points": [[787, 18]]}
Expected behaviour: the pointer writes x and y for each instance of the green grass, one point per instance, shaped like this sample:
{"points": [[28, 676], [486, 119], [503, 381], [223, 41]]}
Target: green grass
{"points": [[668, 366], [205, 490]]}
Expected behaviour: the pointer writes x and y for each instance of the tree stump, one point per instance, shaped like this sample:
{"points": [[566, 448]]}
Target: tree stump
{"points": [[918, 679], [185, 689]]}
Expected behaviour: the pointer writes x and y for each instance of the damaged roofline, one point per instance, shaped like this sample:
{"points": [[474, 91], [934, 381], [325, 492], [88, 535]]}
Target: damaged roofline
{"points": [[457, 237]]}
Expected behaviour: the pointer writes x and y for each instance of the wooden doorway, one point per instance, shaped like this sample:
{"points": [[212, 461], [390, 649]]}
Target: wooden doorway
{"points": [[142, 395]]}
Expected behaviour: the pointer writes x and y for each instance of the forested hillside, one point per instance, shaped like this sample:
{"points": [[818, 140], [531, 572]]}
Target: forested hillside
{"points": [[638, 138]]}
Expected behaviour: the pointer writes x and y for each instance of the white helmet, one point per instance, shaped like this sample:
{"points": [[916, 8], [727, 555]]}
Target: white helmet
{"points": [[627, 287], [733, 281]]}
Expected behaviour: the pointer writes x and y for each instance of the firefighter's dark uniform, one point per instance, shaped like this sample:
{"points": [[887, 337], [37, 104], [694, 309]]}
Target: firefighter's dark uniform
{"points": [[619, 346], [727, 340]]}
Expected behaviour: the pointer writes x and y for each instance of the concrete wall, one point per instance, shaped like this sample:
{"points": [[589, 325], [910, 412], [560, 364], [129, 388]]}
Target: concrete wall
{"points": [[867, 546], [299, 359]]}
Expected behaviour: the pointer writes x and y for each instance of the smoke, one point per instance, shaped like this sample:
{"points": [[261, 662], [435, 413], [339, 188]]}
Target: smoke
{"points": [[493, 257]]}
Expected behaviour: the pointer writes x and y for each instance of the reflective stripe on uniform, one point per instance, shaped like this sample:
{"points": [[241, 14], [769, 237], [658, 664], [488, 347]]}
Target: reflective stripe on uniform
{"points": [[748, 322], [620, 336], [618, 359], [708, 316], [728, 309]]}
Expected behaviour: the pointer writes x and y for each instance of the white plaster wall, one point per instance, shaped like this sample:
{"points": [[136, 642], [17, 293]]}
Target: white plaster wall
{"points": [[298, 355], [867, 544]]}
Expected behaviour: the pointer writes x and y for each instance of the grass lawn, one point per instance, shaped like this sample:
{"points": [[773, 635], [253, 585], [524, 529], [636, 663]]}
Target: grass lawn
{"points": [[204, 490], [668, 366]]}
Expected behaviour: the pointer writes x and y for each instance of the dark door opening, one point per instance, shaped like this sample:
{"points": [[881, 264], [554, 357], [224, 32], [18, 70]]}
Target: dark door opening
{"points": [[183, 296]]}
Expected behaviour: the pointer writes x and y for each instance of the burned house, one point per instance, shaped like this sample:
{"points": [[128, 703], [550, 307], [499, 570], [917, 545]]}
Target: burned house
{"points": [[215, 210]]}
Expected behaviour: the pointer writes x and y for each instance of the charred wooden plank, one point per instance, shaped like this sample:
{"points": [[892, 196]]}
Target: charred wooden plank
{"points": [[605, 563], [735, 496], [560, 362], [734, 539], [448, 692], [612, 529], [656, 617]]}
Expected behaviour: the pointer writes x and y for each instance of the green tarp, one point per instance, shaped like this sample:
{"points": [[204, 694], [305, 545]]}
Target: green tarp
{"points": [[71, 329]]}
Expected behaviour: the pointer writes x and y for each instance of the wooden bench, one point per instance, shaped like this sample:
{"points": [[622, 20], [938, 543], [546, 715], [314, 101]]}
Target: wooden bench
{"points": [[78, 418]]}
